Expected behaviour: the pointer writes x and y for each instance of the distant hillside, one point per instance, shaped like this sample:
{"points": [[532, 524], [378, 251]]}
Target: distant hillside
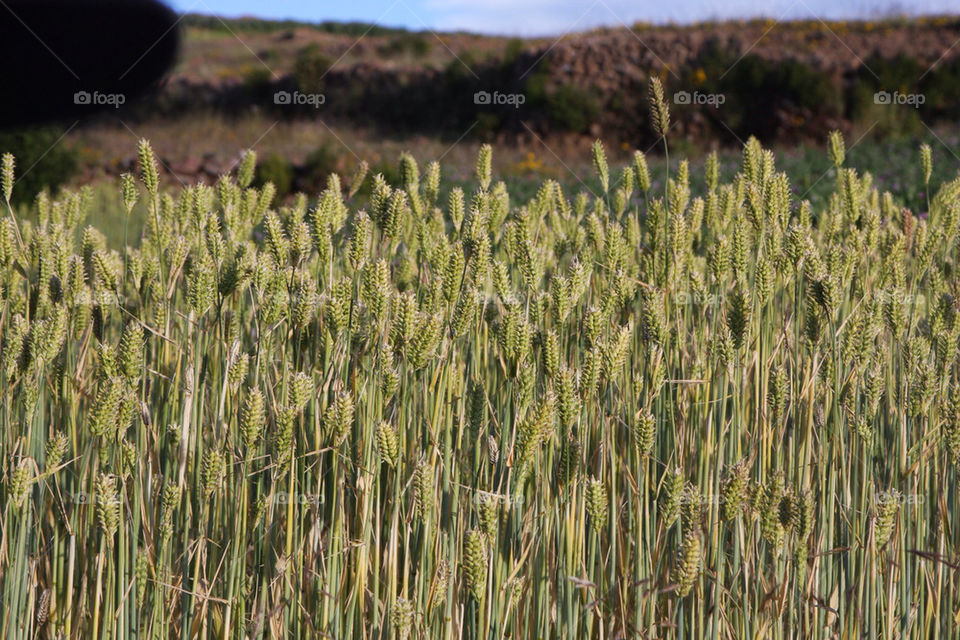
{"points": [[782, 81], [259, 25]]}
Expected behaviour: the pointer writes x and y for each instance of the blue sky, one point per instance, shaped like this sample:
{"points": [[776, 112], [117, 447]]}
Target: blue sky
{"points": [[553, 17]]}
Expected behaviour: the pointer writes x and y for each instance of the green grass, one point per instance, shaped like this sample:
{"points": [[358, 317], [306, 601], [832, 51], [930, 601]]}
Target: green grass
{"points": [[688, 405], [892, 162]]}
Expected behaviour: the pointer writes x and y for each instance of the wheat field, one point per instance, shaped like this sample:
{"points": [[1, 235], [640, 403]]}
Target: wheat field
{"points": [[381, 413]]}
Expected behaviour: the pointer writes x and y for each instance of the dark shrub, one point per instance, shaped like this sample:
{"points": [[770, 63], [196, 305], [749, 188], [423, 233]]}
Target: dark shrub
{"points": [[43, 159], [310, 68], [572, 108], [757, 92], [941, 89], [512, 51], [566, 107], [900, 73], [256, 25], [888, 76], [258, 83], [488, 124], [274, 168], [408, 43], [319, 163]]}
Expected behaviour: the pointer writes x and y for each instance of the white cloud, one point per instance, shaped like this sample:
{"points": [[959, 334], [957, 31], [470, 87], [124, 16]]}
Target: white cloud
{"points": [[546, 17]]}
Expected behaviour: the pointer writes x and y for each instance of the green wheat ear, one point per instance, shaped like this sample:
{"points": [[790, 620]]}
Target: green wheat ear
{"points": [[836, 149], [409, 172], [596, 504], [659, 110], [475, 564], [245, 171], [388, 444], [7, 164], [688, 563], [214, 471], [423, 490], [926, 162], [20, 483], [641, 171], [484, 166], [402, 617], [108, 505], [568, 462], [488, 513], [885, 514], [56, 449], [769, 507], [734, 495], [600, 164], [148, 167], [670, 497]]}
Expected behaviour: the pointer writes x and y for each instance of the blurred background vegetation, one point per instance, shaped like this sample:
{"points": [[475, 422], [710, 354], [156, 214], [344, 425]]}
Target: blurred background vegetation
{"points": [[390, 90]]}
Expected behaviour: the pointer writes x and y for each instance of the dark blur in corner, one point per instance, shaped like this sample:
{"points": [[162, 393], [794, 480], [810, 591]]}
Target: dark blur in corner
{"points": [[68, 59]]}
